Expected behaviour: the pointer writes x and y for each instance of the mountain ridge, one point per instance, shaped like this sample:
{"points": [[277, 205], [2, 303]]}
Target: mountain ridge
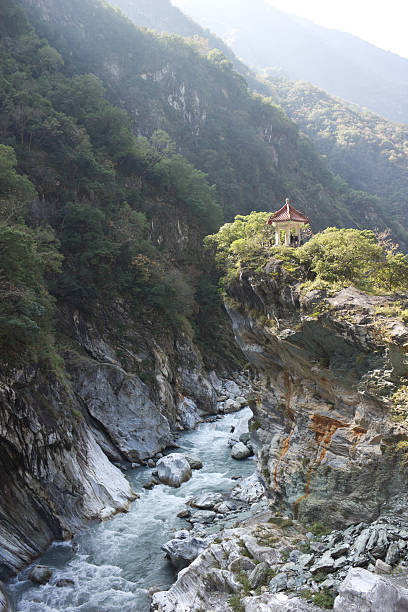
{"points": [[341, 63]]}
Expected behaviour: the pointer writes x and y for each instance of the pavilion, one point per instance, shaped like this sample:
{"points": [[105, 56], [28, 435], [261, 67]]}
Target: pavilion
{"points": [[287, 219]]}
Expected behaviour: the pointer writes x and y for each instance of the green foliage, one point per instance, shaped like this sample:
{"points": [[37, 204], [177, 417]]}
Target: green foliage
{"points": [[399, 413], [235, 603], [330, 260], [26, 307], [15, 190], [319, 529], [366, 150], [323, 598], [345, 255], [65, 141]]}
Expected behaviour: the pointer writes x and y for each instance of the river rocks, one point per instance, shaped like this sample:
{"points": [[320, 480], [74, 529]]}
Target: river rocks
{"points": [[262, 550], [382, 568], [258, 575], [224, 507], [363, 591], [184, 514], [277, 603], [278, 583], [184, 548], [174, 469], [202, 516], [40, 574], [195, 462], [65, 583], [393, 554], [241, 564], [240, 451], [248, 490], [206, 501]]}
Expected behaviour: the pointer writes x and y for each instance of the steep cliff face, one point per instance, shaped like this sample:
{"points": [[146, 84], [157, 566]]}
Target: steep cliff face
{"points": [[53, 473], [324, 417]]}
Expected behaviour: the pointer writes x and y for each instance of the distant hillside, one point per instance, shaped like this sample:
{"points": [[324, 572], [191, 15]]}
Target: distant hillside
{"points": [[340, 63], [368, 151]]}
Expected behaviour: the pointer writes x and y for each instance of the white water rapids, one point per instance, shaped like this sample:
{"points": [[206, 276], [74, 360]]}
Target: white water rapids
{"points": [[118, 561]]}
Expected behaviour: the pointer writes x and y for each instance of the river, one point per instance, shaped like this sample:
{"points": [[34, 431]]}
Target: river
{"points": [[118, 561]]}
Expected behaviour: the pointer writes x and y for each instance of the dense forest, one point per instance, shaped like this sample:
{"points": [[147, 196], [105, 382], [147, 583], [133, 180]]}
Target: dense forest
{"points": [[78, 228]]}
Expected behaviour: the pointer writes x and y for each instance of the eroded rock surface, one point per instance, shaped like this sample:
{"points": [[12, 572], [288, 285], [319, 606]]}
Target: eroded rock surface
{"points": [[323, 426], [54, 473], [363, 591]]}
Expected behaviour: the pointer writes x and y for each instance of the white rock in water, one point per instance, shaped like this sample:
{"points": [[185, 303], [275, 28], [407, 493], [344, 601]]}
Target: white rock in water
{"points": [[278, 602], [240, 451], [184, 548], [174, 469], [104, 485], [249, 490], [206, 501], [240, 428], [188, 413], [203, 516], [363, 591]]}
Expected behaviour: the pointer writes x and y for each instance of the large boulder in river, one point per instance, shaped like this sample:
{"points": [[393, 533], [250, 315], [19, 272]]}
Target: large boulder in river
{"points": [[184, 548], [189, 416], [40, 574], [240, 451], [174, 469]]}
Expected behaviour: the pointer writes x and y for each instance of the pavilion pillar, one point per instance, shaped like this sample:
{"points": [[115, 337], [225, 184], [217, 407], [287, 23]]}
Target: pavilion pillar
{"points": [[287, 236], [277, 236]]}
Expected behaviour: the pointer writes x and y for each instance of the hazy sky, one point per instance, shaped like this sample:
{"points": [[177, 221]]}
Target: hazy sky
{"points": [[381, 22]]}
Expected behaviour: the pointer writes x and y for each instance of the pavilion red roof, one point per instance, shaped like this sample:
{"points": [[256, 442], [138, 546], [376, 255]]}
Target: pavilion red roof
{"points": [[287, 213]]}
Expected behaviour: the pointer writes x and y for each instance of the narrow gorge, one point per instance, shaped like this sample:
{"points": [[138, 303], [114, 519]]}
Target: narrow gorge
{"points": [[201, 410]]}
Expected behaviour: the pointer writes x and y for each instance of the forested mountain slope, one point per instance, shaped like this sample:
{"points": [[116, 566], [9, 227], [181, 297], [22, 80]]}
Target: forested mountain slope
{"points": [[369, 152], [252, 153], [340, 63]]}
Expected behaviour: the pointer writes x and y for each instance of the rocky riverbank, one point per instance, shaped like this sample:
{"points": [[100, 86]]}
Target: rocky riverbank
{"points": [[277, 564]]}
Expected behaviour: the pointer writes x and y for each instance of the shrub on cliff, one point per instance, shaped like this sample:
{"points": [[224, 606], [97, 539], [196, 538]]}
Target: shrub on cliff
{"points": [[334, 258]]}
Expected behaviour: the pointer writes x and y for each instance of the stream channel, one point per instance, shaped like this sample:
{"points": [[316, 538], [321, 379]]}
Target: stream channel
{"points": [[119, 560]]}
